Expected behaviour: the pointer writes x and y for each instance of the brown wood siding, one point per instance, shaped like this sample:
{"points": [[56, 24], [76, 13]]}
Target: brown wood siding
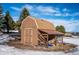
{"points": [[29, 23]]}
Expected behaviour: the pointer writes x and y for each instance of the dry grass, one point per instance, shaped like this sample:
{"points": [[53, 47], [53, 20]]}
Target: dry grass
{"points": [[66, 47]]}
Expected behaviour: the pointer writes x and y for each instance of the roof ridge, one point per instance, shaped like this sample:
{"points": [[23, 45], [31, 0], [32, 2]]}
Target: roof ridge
{"points": [[34, 20]]}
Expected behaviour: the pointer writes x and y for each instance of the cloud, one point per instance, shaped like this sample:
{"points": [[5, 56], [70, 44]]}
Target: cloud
{"points": [[53, 11], [58, 14], [44, 10], [66, 13], [75, 14], [4, 13], [70, 25], [34, 14], [65, 9], [16, 8], [29, 7], [15, 18], [47, 9]]}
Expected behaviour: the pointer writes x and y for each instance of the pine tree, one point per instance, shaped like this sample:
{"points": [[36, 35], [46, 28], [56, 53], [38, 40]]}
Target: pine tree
{"points": [[23, 15], [9, 22], [1, 18], [1, 9]]}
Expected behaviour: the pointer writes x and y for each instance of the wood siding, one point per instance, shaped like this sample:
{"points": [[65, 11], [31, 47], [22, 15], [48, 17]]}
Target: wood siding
{"points": [[26, 35]]}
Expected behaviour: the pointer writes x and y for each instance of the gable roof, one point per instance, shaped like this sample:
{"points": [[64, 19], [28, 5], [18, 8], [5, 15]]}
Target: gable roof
{"points": [[42, 24]]}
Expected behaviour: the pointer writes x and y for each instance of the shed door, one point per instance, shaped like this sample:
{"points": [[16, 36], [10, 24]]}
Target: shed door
{"points": [[28, 36]]}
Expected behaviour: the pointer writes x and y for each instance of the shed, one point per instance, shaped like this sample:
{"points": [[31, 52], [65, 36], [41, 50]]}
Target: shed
{"points": [[37, 32]]}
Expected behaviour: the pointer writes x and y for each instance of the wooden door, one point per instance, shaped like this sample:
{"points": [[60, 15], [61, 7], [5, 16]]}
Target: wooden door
{"points": [[28, 36]]}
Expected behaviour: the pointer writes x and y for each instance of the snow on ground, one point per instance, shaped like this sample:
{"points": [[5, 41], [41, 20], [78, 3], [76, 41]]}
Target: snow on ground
{"points": [[8, 50], [4, 38], [74, 40]]}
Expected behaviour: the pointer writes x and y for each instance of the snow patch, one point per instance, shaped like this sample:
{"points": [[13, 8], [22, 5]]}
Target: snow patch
{"points": [[9, 50]]}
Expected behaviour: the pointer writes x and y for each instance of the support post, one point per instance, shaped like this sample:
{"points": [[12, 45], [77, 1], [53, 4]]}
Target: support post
{"points": [[47, 41], [55, 40]]}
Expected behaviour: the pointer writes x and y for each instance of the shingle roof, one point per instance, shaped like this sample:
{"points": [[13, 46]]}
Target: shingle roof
{"points": [[51, 32], [43, 24]]}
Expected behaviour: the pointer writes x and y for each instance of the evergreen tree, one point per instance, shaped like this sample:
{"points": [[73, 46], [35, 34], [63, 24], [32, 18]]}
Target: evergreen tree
{"points": [[23, 15], [9, 22], [60, 28], [1, 18]]}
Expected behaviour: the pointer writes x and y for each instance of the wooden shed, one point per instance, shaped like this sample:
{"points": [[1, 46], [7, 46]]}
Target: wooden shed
{"points": [[37, 32]]}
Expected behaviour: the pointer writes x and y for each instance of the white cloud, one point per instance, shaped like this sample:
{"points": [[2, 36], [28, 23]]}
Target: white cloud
{"points": [[52, 11], [34, 14], [47, 9], [3, 13], [58, 14], [65, 9], [75, 14], [61, 14], [67, 14], [16, 8], [15, 18], [44, 10], [28, 6], [70, 25]]}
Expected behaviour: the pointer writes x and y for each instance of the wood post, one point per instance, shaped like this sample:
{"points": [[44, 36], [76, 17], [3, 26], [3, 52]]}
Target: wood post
{"points": [[43, 38]]}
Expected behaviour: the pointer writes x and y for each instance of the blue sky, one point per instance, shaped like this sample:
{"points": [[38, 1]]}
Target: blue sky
{"points": [[58, 13]]}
